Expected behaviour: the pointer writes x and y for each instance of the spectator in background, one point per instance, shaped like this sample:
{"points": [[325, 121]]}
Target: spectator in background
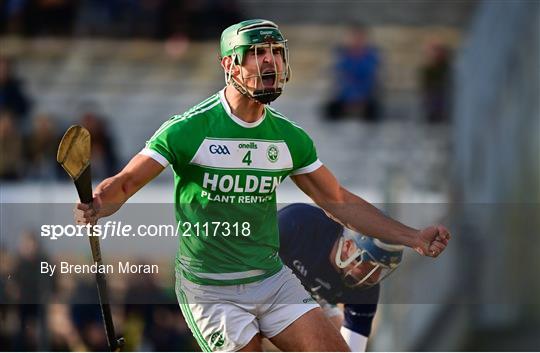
{"points": [[71, 320], [6, 268], [104, 160], [207, 18], [355, 74], [12, 16], [158, 326], [435, 83], [166, 333], [51, 17], [63, 336], [94, 17], [7, 295], [12, 96], [40, 147], [11, 161], [33, 291], [121, 18], [85, 314], [147, 17], [88, 322]]}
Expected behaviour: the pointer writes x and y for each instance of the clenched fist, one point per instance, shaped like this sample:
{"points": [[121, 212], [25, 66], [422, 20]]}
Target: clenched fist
{"points": [[432, 241]]}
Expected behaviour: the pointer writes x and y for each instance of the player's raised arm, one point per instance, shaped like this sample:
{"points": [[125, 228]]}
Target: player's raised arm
{"points": [[361, 216], [113, 192]]}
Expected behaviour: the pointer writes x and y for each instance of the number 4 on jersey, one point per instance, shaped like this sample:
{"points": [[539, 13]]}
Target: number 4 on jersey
{"points": [[247, 158]]}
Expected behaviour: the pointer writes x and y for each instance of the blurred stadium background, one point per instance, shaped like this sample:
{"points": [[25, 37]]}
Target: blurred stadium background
{"points": [[122, 67]]}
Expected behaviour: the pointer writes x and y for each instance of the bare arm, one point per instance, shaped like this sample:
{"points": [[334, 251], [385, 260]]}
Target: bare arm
{"points": [[361, 216], [113, 192]]}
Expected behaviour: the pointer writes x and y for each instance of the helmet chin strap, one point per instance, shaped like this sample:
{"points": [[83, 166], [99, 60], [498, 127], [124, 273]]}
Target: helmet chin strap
{"points": [[266, 96]]}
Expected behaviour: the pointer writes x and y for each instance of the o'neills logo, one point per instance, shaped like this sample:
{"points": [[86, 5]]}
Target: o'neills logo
{"points": [[251, 146]]}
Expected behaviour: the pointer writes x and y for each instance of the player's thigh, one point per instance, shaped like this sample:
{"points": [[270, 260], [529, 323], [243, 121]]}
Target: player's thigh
{"points": [[286, 301], [255, 345], [311, 332]]}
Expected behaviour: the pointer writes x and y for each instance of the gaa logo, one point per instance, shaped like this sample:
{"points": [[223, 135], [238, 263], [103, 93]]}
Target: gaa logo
{"points": [[272, 152], [219, 149], [217, 339]]}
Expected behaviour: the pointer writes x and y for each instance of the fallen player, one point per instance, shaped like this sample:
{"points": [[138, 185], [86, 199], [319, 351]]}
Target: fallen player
{"points": [[337, 266]]}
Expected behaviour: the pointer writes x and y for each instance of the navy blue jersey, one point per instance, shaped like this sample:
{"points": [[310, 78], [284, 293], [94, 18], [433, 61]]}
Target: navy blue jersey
{"points": [[307, 236]]}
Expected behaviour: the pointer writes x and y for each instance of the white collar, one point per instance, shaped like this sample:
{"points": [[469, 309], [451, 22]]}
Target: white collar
{"points": [[236, 119]]}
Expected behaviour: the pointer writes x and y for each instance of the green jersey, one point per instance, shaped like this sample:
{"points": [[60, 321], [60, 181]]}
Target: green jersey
{"points": [[226, 173]]}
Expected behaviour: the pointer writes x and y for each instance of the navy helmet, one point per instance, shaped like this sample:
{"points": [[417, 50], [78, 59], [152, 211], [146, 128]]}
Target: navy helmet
{"points": [[369, 261], [372, 259]]}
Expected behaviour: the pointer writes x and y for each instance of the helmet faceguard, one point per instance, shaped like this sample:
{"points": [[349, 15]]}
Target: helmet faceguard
{"points": [[370, 262], [257, 37]]}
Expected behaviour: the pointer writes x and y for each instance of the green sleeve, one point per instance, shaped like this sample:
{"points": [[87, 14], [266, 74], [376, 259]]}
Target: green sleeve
{"points": [[305, 159], [165, 141]]}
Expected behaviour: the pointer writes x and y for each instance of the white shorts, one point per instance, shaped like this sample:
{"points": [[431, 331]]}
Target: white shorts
{"points": [[226, 318]]}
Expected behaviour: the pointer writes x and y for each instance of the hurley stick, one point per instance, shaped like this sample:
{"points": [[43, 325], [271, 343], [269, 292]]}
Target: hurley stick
{"points": [[74, 156]]}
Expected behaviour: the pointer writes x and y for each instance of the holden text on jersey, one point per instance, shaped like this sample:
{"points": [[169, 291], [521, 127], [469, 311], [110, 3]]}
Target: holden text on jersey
{"points": [[239, 184]]}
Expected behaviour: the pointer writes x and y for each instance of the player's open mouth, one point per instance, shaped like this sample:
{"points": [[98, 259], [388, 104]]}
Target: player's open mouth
{"points": [[268, 78]]}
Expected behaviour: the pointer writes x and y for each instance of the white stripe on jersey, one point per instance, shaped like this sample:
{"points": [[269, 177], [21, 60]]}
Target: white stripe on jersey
{"points": [[244, 154], [308, 169], [200, 108], [283, 117], [155, 156]]}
